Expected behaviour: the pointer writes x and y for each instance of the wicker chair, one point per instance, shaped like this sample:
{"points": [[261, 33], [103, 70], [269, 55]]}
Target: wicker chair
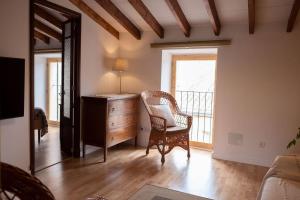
{"points": [[166, 138], [18, 184]]}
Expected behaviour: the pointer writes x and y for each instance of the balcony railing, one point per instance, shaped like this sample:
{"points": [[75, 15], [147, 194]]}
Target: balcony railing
{"points": [[200, 106]]}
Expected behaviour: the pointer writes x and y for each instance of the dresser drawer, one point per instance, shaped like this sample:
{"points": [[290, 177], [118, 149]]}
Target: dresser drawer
{"points": [[120, 135], [118, 121], [122, 106]]}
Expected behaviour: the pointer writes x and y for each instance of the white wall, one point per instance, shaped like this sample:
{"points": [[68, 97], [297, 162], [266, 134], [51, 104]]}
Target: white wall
{"points": [[257, 86], [40, 81], [98, 50], [14, 40], [258, 94], [166, 71]]}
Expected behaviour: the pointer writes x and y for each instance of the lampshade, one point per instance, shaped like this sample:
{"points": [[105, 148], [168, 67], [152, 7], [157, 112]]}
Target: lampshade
{"points": [[120, 65]]}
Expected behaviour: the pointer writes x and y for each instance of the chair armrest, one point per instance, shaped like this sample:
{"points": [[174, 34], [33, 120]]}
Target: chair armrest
{"points": [[183, 119], [159, 123]]}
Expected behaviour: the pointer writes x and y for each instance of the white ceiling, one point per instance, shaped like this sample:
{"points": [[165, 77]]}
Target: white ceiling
{"points": [[230, 11]]}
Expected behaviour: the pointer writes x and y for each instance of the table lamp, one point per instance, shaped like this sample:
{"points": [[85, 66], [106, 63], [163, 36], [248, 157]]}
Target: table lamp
{"points": [[120, 66]]}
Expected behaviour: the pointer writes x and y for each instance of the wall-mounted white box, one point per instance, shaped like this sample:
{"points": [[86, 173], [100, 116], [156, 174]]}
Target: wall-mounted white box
{"points": [[235, 139]]}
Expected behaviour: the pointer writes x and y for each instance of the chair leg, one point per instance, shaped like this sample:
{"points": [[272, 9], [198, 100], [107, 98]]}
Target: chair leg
{"points": [[105, 154], [149, 144], [188, 146], [147, 151], [163, 154], [162, 159], [135, 141]]}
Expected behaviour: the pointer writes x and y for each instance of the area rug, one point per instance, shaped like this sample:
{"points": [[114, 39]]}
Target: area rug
{"points": [[151, 192]]}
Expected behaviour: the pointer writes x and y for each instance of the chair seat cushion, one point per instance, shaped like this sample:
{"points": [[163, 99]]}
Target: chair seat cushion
{"points": [[164, 111], [175, 129]]}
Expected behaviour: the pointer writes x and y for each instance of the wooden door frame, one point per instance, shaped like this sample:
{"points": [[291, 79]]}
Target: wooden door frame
{"points": [[71, 15], [188, 57]]}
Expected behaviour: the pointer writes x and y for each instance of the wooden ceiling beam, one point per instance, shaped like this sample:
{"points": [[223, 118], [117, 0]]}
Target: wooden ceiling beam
{"points": [[140, 7], [51, 50], [213, 15], [47, 30], [191, 44], [180, 17], [68, 13], [66, 16], [41, 12], [251, 15], [41, 36], [97, 18], [116, 13], [293, 16]]}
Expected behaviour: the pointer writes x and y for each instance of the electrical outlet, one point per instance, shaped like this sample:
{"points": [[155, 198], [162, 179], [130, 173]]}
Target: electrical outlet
{"points": [[262, 144]]}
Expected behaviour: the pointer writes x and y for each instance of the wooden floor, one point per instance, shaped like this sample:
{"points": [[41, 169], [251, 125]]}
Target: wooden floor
{"points": [[48, 151], [128, 169]]}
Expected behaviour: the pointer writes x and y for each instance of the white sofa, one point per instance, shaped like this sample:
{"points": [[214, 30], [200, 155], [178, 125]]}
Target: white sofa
{"points": [[282, 181]]}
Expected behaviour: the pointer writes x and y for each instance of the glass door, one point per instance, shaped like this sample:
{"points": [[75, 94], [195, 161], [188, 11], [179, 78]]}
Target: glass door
{"points": [[193, 85], [67, 109]]}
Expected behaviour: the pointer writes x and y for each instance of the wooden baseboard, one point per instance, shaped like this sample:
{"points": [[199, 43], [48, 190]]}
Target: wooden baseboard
{"points": [[201, 145]]}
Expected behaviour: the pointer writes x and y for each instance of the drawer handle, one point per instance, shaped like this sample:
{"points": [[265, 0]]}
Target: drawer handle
{"points": [[113, 109], [112, 124]]}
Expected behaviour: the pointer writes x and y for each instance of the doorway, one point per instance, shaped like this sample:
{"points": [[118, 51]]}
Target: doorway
{"points": [[47, 100], [193, 85], [54, 84]]}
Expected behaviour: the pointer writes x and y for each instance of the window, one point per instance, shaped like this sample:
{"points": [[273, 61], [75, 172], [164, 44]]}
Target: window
{"points": [[193, 85], [54, 90]]}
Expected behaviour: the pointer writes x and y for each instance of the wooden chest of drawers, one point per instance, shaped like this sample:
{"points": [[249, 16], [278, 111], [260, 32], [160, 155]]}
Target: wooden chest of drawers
{"points": [[108, 120]]}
